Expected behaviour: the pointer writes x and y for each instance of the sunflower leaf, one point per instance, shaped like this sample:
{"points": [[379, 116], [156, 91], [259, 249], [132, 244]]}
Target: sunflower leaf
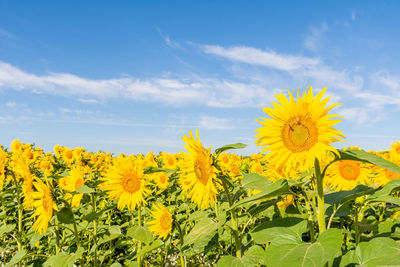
{"points": [[363, 156], [65, 215], [228, 147]]}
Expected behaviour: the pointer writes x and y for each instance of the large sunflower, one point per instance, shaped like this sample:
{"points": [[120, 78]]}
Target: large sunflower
{"points": [[162, 224], [298, 131], [197, 172], [125, 181], [44, 206]]}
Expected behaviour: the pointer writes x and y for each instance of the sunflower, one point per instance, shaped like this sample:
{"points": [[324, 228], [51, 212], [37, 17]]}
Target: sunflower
{"points": [[347, 174], [162, 224], [298, 131], [169, 161], [71, 183], [383, 176], [160, 179], [197, 172], [44, 205], [125, 181]]}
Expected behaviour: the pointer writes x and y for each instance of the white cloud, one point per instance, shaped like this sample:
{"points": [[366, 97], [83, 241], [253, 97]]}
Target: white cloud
{"points": [[88, 101], [303, 69], [255, 56], [170, 91], [358, 114], [214, 123]]}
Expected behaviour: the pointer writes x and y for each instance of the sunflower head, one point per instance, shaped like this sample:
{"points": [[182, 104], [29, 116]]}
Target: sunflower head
{"points": [[197, 172], [125, 181], [162, 221], [298, 131], [44, 206]]}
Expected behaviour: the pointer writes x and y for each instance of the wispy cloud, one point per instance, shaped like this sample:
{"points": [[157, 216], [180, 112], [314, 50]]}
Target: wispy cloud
{"points": [[259, 57], [6, 34], [168, 40], [313, 39], [170, 91], [300, 68], [214, 123]]}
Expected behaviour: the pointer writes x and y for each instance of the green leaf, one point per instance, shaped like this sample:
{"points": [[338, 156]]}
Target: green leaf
{"points": [[146, 249], [256, 254], [34, 239], [140, 234], [256, 181], [18, 257], [85, 190], [64, 259], [387, 189], [291, 252], [65, 215], [387, 199], [202, 232], [152, 169], [380, 251], [278, 188], [6, 228], [268, 231], [344, 196], [363, 156], [114, 231], [228, 147]]}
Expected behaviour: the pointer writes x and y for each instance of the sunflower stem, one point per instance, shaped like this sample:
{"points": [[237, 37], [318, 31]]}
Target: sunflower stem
{"points": [[94, 229], [234, 223], [183, 260], [320, 196], [140, 243], [19, 213]]}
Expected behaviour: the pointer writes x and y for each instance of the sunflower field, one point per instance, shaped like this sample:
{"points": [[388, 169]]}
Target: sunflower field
{"points": [[299, 202]]}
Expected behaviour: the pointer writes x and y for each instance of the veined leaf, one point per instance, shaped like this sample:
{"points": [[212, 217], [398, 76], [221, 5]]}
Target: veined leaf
{"points": [[268, 231], [291, 252], [380, 251]]}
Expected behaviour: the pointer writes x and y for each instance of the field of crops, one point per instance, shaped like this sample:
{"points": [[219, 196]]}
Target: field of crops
{"points": [[299, 202]]}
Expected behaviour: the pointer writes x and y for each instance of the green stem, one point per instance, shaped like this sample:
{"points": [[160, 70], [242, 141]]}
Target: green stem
{"points": [[310, 219], [19, 213], [320, 192], [234, 223], [140, 243], [56, 232], [183, 260], [94, 230], [78, 240]]}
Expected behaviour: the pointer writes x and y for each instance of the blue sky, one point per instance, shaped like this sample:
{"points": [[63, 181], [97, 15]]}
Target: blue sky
{"points": [[133, 77]]}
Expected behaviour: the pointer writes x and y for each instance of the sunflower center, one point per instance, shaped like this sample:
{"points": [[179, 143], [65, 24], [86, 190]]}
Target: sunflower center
{"points": [[299, 134], [78, 183], [170, 161], [225, 159], [131, 183], [163, 178], [200, 171], [165, 221], [349, 170], [392, 175]]}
